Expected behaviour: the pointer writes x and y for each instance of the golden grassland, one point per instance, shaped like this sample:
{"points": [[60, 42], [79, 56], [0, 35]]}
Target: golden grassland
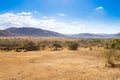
{"points": [[40, 38], [83, 64]]}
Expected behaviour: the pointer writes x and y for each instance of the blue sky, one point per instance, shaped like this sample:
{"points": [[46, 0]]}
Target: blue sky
{"points": [[64, 16]]}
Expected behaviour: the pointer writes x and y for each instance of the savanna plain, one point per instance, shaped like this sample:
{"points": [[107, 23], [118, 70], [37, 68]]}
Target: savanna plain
{"points": [[82, 64]]}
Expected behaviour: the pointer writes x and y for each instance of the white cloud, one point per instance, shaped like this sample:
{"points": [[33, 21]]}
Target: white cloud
{"points": [[24, 13], [99, 11], [99, 8], [26, 19], [17, 20], [61, 27], [61, 14]]}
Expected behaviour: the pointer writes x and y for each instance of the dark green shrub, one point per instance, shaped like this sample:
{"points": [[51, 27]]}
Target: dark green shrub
{"points": [[57, 45], [31, 46], [72, 45], [113, 44]]}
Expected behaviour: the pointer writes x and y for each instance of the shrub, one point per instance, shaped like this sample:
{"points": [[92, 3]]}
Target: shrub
{"points": [[113, 44], [112, 58], [91, 48], [44, 44], [72, 45], [31, 46], [109, 56], [57, 45]]}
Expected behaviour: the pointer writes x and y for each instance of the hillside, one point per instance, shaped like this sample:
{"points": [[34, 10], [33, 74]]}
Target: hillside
{"points": [[5, 33], [28, 31]]}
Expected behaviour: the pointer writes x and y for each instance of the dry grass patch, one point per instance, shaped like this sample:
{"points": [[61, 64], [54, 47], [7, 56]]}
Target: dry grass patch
{"points": [[56, 65]]}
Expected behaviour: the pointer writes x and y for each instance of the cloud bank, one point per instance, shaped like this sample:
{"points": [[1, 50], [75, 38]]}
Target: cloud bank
{"points": [[26, 19]]}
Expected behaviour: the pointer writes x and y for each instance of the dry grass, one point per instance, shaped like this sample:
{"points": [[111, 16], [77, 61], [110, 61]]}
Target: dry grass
{"points": [[40, 38], [56, 65]]}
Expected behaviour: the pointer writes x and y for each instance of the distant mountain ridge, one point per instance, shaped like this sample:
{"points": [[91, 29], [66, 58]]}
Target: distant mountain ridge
{"points": [[29, 31], [91, 35]]}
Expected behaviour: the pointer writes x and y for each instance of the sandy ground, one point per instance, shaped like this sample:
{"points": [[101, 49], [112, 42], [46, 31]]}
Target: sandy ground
{"points": [[56, 65]]}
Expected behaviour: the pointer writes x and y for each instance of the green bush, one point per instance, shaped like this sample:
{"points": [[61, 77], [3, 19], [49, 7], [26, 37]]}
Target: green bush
{"points": [[72, 45], [57, 45], [113, 44], [31, 46]]}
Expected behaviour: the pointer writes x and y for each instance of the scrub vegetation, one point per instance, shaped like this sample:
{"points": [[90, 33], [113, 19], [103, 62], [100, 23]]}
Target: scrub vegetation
{"points": [[58, 59]]}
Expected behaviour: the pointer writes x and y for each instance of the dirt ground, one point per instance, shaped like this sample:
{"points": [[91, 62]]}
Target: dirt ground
{"points": [[56, 65]]}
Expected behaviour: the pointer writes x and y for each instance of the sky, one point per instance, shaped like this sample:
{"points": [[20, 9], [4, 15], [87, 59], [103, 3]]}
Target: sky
{"points": [[63, 16]]}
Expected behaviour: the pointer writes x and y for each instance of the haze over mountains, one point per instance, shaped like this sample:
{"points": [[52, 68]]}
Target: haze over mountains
{"points": [[29, 31], [91, 35]]}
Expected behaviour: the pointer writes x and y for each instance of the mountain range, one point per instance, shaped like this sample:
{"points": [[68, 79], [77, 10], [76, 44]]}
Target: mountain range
{"points": [[30, 31], [92, 35]]}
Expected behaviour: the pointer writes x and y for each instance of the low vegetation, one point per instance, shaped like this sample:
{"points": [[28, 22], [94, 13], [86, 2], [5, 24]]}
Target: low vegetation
{"points": [[72, 45], [112, 54], [111, 46], [18, 44], [56, 45]]}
